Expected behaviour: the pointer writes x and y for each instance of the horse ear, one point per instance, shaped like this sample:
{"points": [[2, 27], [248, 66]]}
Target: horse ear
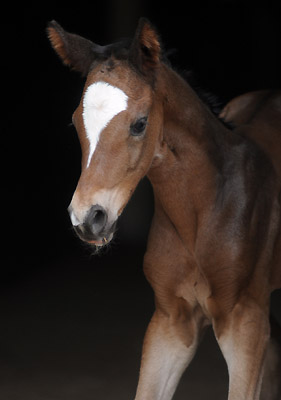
{"points": [[74, 50], [145, 51]]}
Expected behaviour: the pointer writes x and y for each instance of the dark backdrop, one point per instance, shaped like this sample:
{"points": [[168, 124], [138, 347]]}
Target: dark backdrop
{"points": [[231, 46]]}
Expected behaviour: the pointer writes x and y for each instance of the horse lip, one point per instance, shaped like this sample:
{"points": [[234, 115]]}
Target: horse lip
{"points": [[99, 243]]}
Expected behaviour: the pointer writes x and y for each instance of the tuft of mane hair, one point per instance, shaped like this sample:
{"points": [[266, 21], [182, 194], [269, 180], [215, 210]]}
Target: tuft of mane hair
{"points": [[210, 99]]}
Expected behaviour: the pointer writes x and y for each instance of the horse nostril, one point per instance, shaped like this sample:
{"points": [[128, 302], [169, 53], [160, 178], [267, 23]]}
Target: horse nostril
{"points": [[96, 219]]}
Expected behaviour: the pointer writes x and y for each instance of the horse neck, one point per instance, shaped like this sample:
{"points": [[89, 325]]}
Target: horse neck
{"points": [[184, 178]]}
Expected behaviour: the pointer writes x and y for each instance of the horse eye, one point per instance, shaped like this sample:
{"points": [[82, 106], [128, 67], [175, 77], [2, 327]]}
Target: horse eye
{"points": [[138, 127]]}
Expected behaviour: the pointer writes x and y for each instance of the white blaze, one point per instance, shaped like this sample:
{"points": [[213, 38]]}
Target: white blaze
{"points": [[100, 104]]}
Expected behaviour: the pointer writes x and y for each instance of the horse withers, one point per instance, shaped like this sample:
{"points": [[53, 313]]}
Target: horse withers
{"points": [[214, 248]]}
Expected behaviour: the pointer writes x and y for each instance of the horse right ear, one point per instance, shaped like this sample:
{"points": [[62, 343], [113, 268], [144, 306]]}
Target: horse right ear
{"points": [[74, 50], [145, 52]]}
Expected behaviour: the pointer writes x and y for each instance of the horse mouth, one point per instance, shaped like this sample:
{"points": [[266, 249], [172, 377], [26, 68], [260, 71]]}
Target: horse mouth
{"points": [[98, 243], [94, 240], [101, 242]]}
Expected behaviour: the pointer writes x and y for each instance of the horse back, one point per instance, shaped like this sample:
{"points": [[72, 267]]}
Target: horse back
{"points": [[257, 115]]}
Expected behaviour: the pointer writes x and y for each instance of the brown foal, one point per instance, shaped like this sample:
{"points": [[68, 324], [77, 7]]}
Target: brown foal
{"points": [[214, 248]]}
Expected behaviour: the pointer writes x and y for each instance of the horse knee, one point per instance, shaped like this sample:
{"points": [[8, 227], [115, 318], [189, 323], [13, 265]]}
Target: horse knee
{"points": [[181, 323]]}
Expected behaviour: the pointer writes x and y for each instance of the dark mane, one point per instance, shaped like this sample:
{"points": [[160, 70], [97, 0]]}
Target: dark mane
{"points": [[212, 101]]}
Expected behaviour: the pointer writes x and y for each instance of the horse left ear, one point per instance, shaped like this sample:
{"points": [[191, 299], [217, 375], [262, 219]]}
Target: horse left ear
{"points": [[145, 51], [74, 50]]}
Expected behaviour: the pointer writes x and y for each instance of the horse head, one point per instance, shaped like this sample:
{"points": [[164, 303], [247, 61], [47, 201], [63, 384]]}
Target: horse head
{"points": [[118, 121]]}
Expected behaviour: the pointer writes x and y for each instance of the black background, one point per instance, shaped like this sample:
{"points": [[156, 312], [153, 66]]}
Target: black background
{"points": [[231, 46]]}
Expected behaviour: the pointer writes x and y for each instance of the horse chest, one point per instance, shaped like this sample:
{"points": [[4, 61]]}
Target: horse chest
{"points": [[175, 278], [196, 291]]}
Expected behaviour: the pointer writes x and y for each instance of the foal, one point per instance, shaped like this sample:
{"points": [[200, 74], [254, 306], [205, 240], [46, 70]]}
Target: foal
{"points": [[213, 254]]}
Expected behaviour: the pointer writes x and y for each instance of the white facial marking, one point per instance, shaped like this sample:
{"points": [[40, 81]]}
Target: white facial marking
{"points": [[100, 104]]}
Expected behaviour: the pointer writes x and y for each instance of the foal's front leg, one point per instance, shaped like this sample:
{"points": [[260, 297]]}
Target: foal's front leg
{"points": [[168, 348], [243, 337]]}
